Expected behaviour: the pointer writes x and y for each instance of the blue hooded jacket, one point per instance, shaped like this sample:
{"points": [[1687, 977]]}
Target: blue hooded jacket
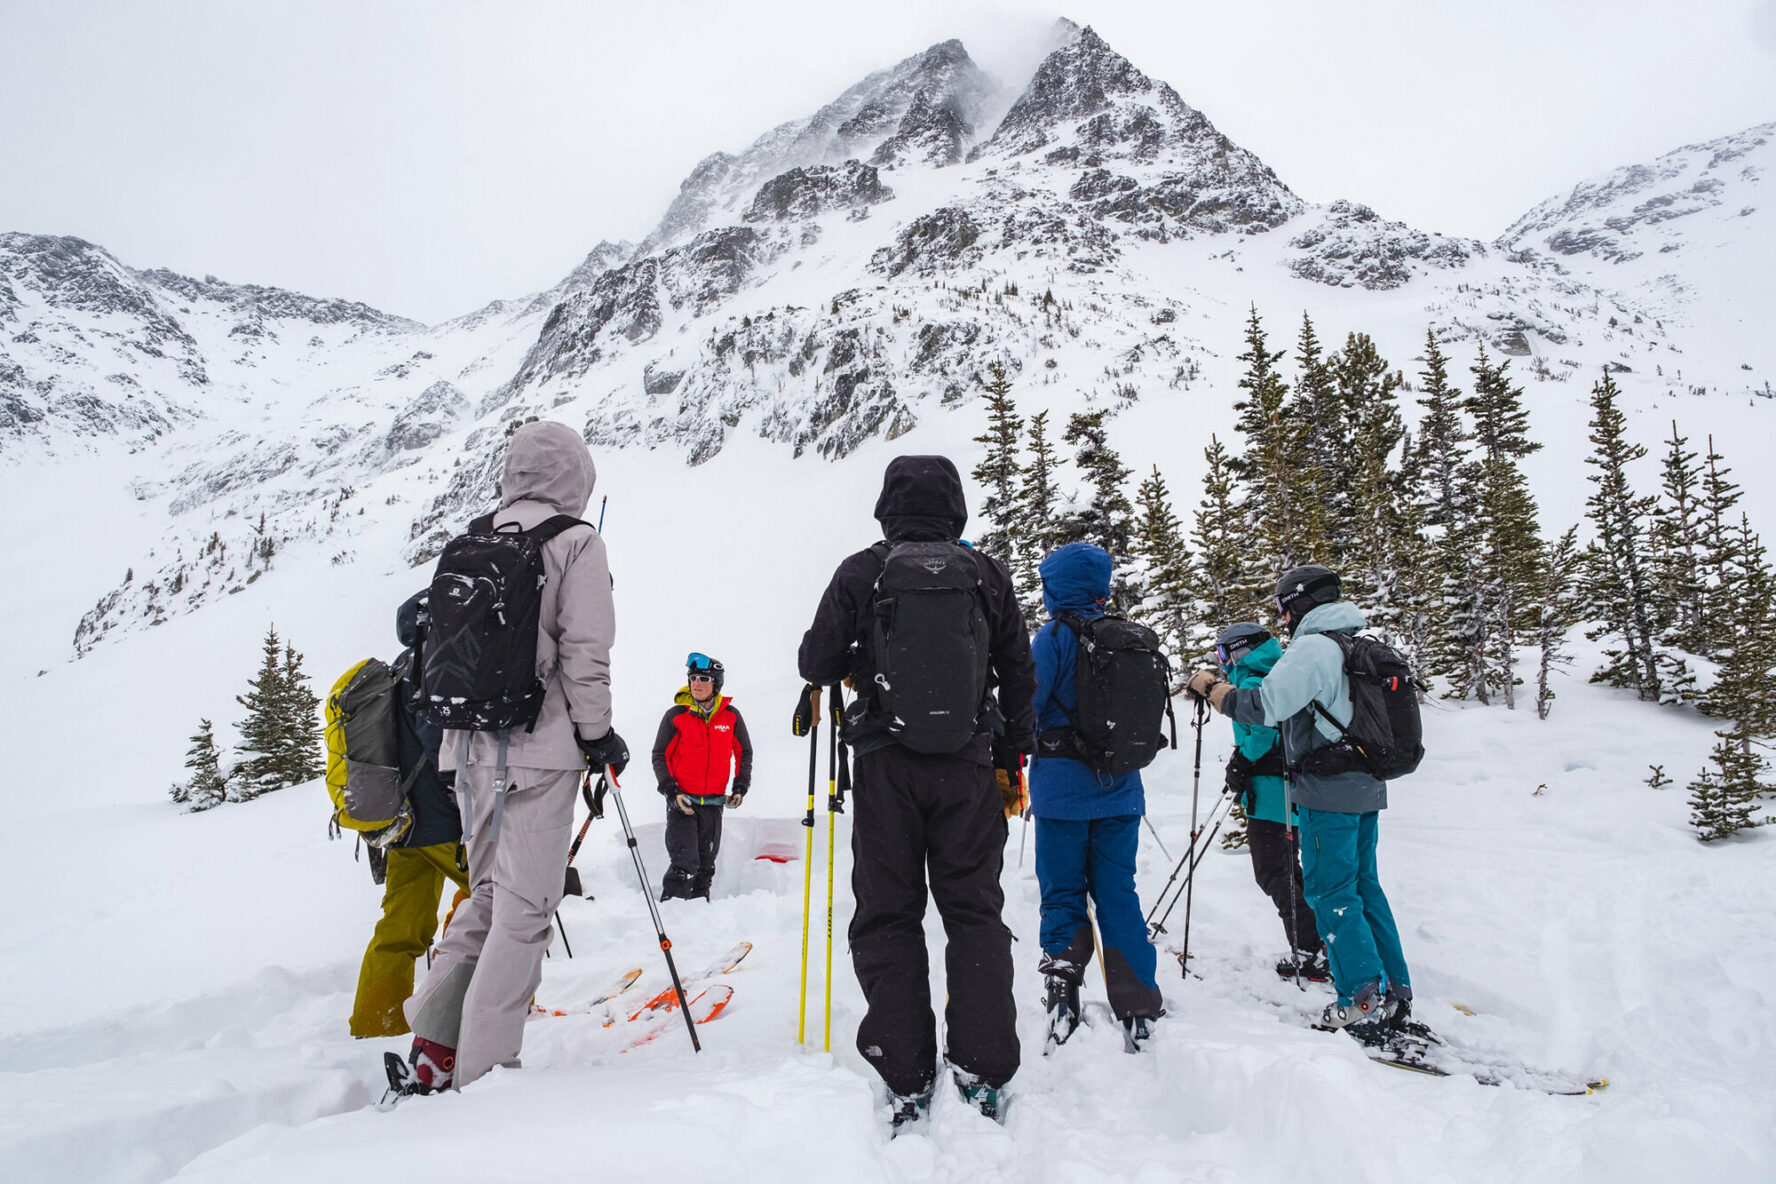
{"points": [[1075, 579]]}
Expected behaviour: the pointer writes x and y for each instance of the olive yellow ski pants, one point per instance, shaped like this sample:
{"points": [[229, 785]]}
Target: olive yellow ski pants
{"points": [[415, 879]]}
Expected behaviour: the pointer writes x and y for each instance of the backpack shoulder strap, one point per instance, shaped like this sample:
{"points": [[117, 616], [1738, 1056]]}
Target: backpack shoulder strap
{"points": [[481, 525], [547, 529]]}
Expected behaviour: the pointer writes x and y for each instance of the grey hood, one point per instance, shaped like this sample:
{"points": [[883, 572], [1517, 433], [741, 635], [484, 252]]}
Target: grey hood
{"points": [[1340, 616], [547, 462]]}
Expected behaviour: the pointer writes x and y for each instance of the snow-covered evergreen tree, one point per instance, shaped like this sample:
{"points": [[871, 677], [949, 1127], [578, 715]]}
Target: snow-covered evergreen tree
{"points": [[1038, 513], [1677, 549], [1723, 801], [1557, 611], [1745, 689], [1720, 559], [1618, 586], [1325, 426], [1167, 584], [265, 733], [1270, 466], [1375, 546], [1107, 519], [206, 787], [1226, 587], [998, 470], [1510, 556], [303, 755], [1447, 480]]}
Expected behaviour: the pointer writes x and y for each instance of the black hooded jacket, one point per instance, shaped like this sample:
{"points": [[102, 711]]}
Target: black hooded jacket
{"points": [[435, 816], [921, 501]]}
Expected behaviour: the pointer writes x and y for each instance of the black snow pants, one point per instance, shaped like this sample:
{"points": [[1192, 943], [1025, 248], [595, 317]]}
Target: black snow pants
{"points": [[916, 814], [1278, 872], [692, 841]]}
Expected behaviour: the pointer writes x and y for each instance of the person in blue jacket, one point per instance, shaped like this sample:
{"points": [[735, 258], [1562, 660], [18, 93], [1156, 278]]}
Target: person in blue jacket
{"points": [[1087, 824], [1339, 812], [1255, 777]]}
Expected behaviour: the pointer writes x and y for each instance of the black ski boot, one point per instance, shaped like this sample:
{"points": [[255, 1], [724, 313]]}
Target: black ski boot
{"points": [[989, 1100], [429, 1069], [1366, 1017], [1137, 1031], [1313, 967], [1062, 1005], [906, 1109]]}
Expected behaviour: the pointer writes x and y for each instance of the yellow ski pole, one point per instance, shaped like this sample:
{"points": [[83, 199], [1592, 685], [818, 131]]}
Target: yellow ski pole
{"points": [[808, 863], [832, 810]]}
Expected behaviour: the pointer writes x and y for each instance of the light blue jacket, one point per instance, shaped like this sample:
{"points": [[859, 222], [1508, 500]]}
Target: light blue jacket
{"points": [[1312, 670]]}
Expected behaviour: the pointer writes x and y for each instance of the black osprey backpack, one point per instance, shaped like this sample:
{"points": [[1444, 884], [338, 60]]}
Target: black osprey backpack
{"points": [[479, 671], [1123, 682], [1385, 737], [930, 640]]}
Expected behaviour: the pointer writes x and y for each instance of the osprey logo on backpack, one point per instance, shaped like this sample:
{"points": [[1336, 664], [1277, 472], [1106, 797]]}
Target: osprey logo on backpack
{"points": [[1385, 737], [486, 599]]}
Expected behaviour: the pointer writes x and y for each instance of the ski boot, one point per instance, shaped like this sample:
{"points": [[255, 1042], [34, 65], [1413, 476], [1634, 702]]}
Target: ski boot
{"points": [[1365, 1017], [906, 1109], [1313, 967], [1062, 1005], [1137, 1031], [1401, 1023], [428, 1070], [988, 1099]]}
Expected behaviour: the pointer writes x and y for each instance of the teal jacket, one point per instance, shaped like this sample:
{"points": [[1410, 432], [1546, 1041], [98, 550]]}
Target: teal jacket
{"points": [[1254, 740], [1311, 670]]}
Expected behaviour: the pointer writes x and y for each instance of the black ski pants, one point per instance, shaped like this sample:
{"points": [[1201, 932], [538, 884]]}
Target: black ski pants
{"points": [[917, 815], [692, 841], [1278, 871]]}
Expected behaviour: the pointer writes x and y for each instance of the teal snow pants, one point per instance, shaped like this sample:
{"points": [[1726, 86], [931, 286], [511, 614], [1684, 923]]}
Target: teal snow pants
{"points": [[1338, 873]]}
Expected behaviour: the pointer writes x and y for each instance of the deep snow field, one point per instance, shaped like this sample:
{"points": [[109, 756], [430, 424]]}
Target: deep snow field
{"points": [[175, 987]]}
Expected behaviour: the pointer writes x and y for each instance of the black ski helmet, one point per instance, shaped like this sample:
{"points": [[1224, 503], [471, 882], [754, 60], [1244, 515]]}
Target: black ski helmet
{"points": [[1304, 588], [1238, 640], [703, 664]]}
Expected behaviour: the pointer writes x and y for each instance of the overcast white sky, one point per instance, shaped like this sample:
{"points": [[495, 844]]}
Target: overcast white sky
{"points": [[427, 157]]}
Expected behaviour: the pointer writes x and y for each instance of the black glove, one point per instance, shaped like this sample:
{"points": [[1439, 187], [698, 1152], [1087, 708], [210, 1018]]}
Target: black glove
{"points": [[1239, 774], [608, 751], [805, 711]]}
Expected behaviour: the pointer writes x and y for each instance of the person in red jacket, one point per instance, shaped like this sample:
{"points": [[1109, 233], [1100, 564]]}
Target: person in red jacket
{"points": [[701, 740]]}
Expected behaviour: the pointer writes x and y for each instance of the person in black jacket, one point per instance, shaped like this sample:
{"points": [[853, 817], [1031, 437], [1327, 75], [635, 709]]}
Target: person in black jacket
{"points": [[421, 862], [918, 811]]}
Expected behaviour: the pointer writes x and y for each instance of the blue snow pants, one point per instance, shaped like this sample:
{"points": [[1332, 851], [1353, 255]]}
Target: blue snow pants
{"points": [[1096, 856], [1338, 874]]}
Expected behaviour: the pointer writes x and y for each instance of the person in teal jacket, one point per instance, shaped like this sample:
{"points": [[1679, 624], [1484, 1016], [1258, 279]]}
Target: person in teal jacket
{"points": [[1339, 813], [1255, 778]]}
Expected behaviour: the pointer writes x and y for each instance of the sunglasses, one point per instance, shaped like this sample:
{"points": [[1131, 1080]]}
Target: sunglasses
{"points": [[702, 678]]}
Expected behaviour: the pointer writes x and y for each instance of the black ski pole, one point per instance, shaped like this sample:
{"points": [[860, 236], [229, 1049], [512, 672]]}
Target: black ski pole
{"points": [[653, 910], [564, 943], [1294, 864], [1195, 784], [1187, 865]]}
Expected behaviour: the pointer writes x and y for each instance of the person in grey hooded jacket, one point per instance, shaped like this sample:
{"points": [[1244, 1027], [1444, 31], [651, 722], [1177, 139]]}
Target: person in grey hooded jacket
{"points": [[469, 1015], [1339, 813]]}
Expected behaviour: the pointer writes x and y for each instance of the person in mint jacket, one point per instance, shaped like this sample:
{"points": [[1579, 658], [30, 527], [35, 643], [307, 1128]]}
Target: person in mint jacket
{"points": [[1339, 813], [1255, 778], [1087, 824]]}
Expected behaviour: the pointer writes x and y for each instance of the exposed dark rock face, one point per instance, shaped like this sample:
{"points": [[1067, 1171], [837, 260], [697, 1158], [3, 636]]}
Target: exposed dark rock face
{"points": [[930, 133], [422, 421], [809, 192], [1352, 246], [932, 242]]}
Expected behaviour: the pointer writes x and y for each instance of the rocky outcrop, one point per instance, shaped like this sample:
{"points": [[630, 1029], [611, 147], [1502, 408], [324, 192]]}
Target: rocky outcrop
{"points": [[936, 241], [809, 192], [1352, 246]]}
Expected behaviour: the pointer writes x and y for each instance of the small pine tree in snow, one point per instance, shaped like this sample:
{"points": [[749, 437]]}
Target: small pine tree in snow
{"points": [[1677, 550], [1225, 585], [1167, 601], [1377, 551], [1325, 425], [1618, 587], [1447, 484], [1038, 502], [1745, 690], [1511, 547], [264, 734], [1557, 611], [303, 753], [1720, 558], [206, 788], [1723, 800], [1270, 469], [998, 470], [1108, 518]]}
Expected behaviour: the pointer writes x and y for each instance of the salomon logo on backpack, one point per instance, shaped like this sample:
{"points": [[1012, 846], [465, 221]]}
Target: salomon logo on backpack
{"points": [[930, 641], [1123, 683], [1385, 737], [480, 669], [363, 775]]}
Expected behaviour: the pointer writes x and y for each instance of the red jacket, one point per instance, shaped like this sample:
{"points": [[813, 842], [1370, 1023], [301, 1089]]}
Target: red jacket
{"points": [[694, 751]]}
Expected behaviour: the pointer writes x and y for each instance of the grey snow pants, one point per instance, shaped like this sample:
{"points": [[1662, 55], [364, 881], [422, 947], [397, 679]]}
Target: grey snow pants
{"points": [[486, 970]]}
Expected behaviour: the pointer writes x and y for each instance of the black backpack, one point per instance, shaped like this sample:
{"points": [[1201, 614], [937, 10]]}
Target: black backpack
{"points": [[930, 640], [1385, 737], [479, 670], [1123, 683]]}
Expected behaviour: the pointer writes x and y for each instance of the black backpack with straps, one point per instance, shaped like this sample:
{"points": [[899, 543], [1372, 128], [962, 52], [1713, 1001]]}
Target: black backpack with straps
{"points": [[930, 639], [479, 671], [1385, 736], [1122, 680]]}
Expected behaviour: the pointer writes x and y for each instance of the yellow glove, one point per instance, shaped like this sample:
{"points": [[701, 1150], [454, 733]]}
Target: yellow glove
{"points": [[1013, 793]]}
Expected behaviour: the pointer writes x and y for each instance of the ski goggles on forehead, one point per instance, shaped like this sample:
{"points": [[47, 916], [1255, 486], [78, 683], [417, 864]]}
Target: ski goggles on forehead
{"points": [[699, 662]]}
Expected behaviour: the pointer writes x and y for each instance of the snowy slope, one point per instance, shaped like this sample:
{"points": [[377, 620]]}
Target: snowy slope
{"points": [[177, 986]]}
